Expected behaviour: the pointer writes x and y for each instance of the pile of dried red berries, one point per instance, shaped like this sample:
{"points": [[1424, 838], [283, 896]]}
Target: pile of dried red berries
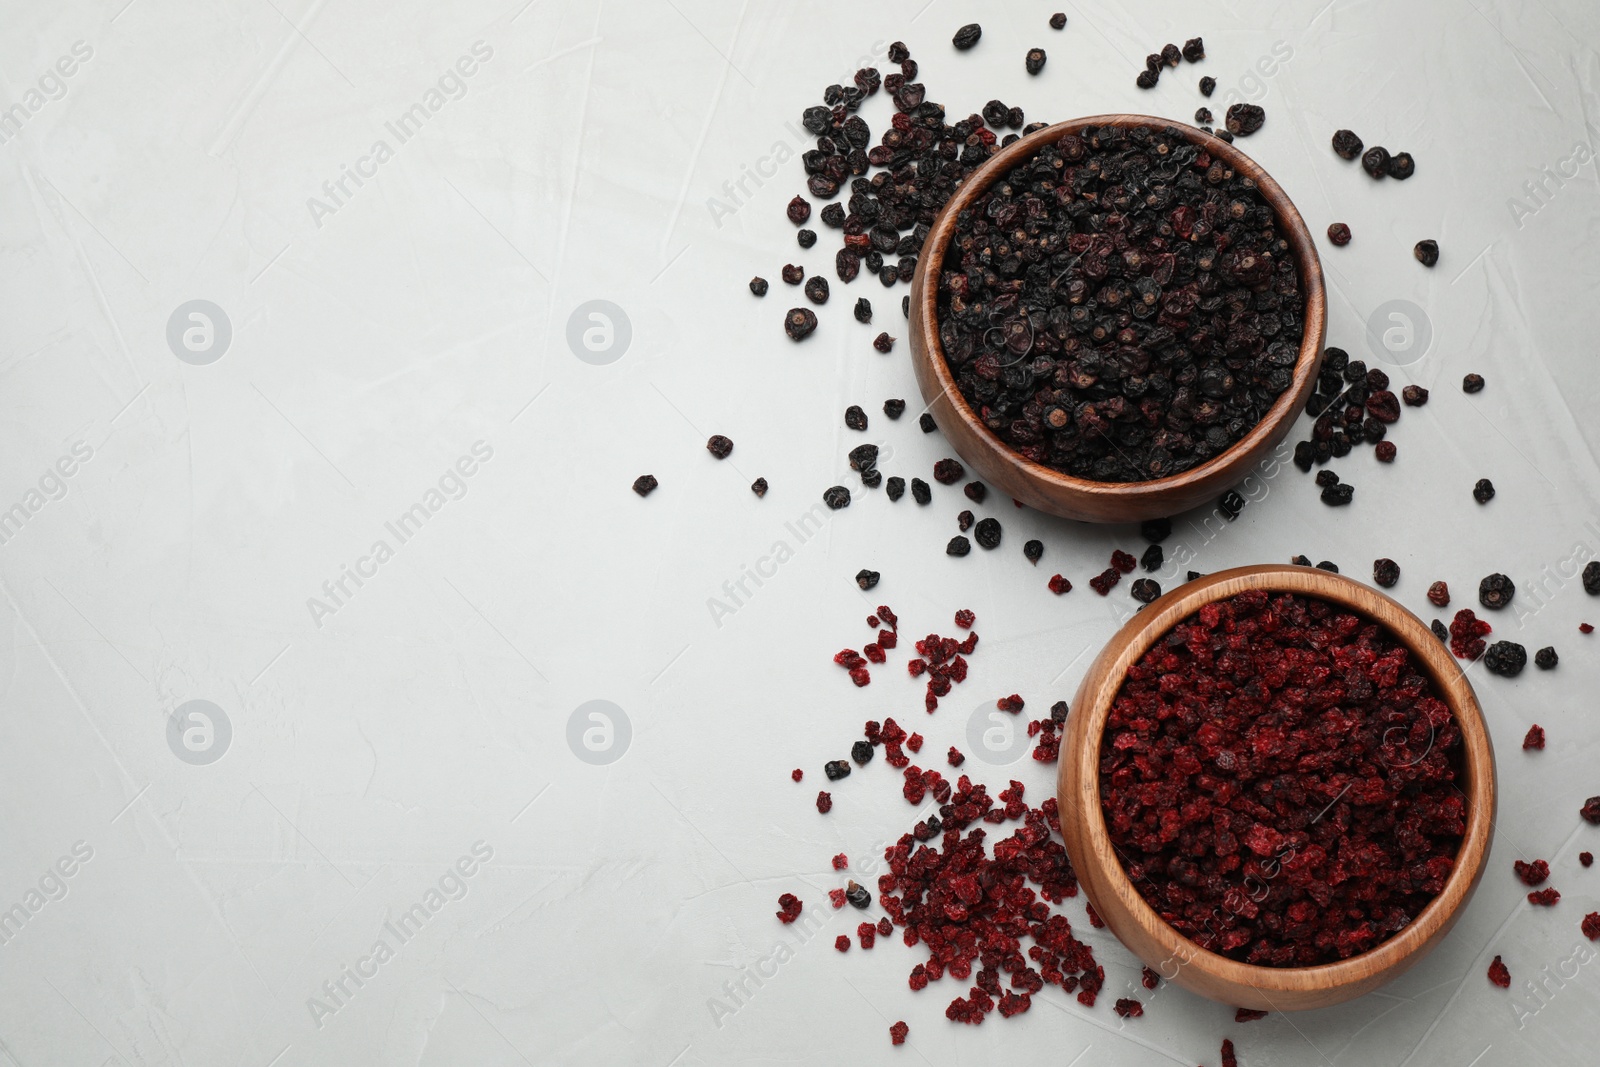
{"points": [[1121, 306], [1277, 775]]}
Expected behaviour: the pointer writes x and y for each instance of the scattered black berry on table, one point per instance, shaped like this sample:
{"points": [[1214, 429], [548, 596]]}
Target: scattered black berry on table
{"points": [[948, 471], [1208, 85], [863, 457], [1058, 21], [895, 487], [799, 323], [1326, 478], [836, 769], [1505, 658], [1034, 61], [1339, 233], [806, 238], [1145, 590], [836, 497], [1153, 558], [1496, 591], [1033, 551], [883, 342], [872, 477], [1402, 166], [863, 310], [1171, 54], [925, 420], [1375, 161], [1155, 530], [719, 446], [1385, 451], [1245, 119], [799, 210], [855, 418], [793, 273], [920, 491], [1472, 383], [1440, 630], [1483, 491], [1338, 495], [965, 520], [1203, 116], [1194, 49], [645, 484], [1147, 79], [1329, 566], [1230, 505], [894, 408], [988, 533], [1385, 572], [958, 546], [817, 289], [1427, 252], [967, 36], [1591, 577], [1546, 659], [759, 487], [862, 752], [1346, 144], [1414, 396], [758, 286]]}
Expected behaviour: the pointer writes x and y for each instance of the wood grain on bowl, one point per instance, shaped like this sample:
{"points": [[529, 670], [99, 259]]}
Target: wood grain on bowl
{"points": [[1061, 494], [1131, 918]]}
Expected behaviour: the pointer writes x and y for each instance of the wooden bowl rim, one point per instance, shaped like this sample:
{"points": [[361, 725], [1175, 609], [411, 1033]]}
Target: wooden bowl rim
{"points": [[1477, 754], [1285, 408]]}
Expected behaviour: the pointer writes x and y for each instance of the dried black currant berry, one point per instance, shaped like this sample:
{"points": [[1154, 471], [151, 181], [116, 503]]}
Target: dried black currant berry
{"points": [[1147, 79], [866, 579], [758, 286], [1203, 116], [1427, 252], [895, 487], [1033, 551], [1192, 575], [958, 546], [925, 421], [1245, 119], [863, 457], [883, 342], [1145, 590], [1329, 566], [920, 491], [1414, 396], [793, 273], [967, 36], [1472, 383], [1194, 49], [817, 289], [1338, 495], [948, 471], [759, 487], [1385, 572], [1346, 144], [965, 520], [645, 484], [1483, 491], [894, 408], [856, 895], [1591, 577], [1326, 478], [1033, 62], [799, 323], [836, 769], [1339, 233], [719, 446], [1505, 658], [1440, 630], [806, 238], [1496, 591], [863, 309], [1208, 86], [1375, 161], [1153, 558], [1058, 21], [1546, 659], [836, 497], [1402, 166], [988, 533], [1230, 505], [862, 752], [855, 418]]}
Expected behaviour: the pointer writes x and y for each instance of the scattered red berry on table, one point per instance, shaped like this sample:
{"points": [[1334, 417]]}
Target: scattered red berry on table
{"points": [[824, 802], [1248, 1015], [1534, 738], [840, 862], [898, 1032], [842, 943], [1499, 974], [1059, 585], [1532, 873], [790, 908], [1545, 898], [797, 774], [1591, 925]]}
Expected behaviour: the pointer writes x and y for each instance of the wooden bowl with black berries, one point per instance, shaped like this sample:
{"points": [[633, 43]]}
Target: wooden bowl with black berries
{"points": [[1118, 344], [1280, 837]]}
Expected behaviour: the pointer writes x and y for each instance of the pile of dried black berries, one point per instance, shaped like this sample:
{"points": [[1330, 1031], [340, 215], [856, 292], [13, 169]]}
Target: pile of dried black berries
{"points": [[1351, 405], [1122, 306]]}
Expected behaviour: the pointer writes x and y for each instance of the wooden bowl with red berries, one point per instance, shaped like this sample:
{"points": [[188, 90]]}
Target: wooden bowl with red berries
{"points": [[1045, 487], [1102, 864]]}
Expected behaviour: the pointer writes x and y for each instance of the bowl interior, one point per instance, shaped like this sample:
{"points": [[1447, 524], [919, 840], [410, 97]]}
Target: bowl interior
{"points": [[1273, 425], [1240, 982]]}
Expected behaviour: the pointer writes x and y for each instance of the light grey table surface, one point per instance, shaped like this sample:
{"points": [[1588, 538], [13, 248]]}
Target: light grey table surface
{"points": [[362, 346]]}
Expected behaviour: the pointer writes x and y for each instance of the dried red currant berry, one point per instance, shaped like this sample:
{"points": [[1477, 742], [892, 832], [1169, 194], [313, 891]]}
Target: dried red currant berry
{"points": [[1245, 119], [1128, 1008], [1402, 166], [883, 342], [1123, 561], [1339, 233], [1546, 659], [1208, 85], [799, 323], [1496, 591], [824, 802], [965, 619], [1012, 703], [1145, 590], [1545, 898], [789, 908], [988, 533], [1346, 144], [1385, 451], [1102, 582], [957, 546], [797, 774], [1505, 658], [1591, 923], [841, 861], [1499, 974], [1532, 874], [1149, 978], [842, 943], [1591, 810], [1385, 572], [836, 898], [1094, 916], [1248, 1015], [898, 1032], [1466, 634], [1033, 551], [1229, 1059], [948, 471], [1472, 383], [1586, 858], [759, 487], [855, 418], [836, 497], [914, 742], [1376, 162], [1585, 628], [1059, 585]]}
